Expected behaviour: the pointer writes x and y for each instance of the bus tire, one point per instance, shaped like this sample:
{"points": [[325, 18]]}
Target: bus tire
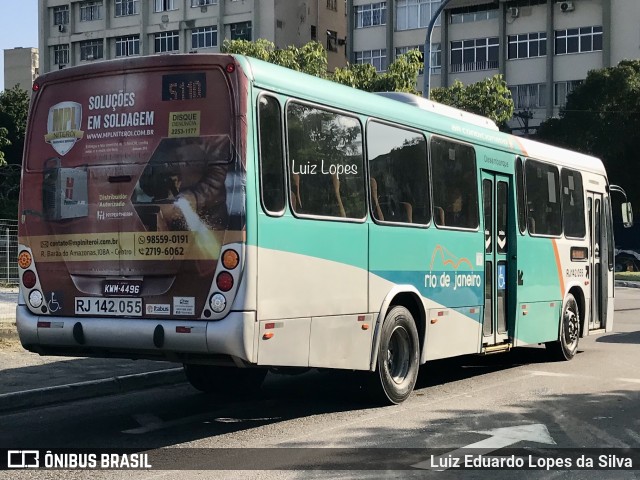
{"points": [[398, 356], [224, 380], [567, 346]]}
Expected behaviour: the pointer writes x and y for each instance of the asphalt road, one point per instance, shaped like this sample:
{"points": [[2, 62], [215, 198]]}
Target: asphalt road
{"points": [[591, 402]]}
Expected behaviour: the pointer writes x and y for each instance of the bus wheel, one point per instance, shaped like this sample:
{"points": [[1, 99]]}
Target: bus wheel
{"points": [[398, 356], [567, 346], [224, 380]]}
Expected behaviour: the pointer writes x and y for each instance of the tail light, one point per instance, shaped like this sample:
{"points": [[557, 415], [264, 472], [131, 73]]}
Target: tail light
{"points": [[224, 281], [230, 259], [29, 279], [24, 259]]}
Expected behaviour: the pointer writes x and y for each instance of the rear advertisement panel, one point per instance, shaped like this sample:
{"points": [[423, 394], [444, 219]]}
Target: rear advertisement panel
{"points": [[132, 183]]}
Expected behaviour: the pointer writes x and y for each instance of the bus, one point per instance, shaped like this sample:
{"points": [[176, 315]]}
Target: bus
{"points": [[237, 217]]}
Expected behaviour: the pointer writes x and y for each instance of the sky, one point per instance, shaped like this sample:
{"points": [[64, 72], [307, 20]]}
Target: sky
{"points": [[18, 27]]}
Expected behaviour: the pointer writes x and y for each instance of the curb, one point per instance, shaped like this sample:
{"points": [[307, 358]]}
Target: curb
{"points": [[8, 330], [40, 397], [626, 283]]}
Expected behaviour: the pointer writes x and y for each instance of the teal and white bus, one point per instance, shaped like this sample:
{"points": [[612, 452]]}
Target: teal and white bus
{"points": [[235, 216]]}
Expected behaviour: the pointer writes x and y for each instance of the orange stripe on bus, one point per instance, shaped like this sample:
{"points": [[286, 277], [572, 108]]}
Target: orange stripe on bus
{"points": [[522, 148], [559, 267]]}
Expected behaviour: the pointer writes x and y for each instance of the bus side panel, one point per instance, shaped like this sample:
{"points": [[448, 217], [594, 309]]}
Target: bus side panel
{"points": [[312, 284], [446, 267], [540, 292]]}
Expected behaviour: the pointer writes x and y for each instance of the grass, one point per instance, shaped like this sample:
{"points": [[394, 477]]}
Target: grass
{"points": [[632, 276]]}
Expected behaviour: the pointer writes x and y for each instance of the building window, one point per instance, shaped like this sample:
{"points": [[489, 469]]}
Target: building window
{"points": [[562, 90], [61, 54], [415, 13], [91, 50], [474, 14], [332, 41], [167, 42], [202, 3], [527, 45], [314, 32], [61, 15], [241, 31], [370, 15], [399, 174], [474, 55], [377, 58], [578, 40], [332, 5], [164, 5], [128, 46], [532, 95], [435, 67], [204, 37], [127, 7], [90, 11]]}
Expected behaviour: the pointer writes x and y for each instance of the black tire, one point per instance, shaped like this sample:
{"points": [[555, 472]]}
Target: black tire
{"points": [[567, 346], [229, 381], [398, 357]]}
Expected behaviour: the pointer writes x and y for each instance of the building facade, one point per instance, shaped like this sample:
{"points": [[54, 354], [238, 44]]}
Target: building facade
{"points": [[76, 31], [20, 67], [544, 48]]}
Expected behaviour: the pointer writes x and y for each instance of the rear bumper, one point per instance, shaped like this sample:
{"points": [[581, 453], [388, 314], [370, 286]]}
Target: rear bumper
{"points": [[230, 340]]}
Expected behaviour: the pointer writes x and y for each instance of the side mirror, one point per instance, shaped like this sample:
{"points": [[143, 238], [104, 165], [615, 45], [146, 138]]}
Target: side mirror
{"points": [[627, 215]]}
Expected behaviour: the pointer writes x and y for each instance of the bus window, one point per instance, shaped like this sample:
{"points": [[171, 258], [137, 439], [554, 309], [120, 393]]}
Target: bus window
{"points": [[543, 198], [325, 163], [572, 204], [399, 174], [522, 212], [271, 155], [455, 190]]}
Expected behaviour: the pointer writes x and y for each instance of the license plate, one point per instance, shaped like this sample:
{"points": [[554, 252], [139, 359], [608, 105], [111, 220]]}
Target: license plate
{"points": [[121, 288], [111, 307]]}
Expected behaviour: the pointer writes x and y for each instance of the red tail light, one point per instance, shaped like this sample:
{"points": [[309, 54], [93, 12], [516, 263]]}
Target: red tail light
{"points": [[224, 281], [29, 279]]}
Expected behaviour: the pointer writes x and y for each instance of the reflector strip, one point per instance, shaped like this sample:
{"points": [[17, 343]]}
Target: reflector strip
{"points": [[44, 324], [183, 329]]}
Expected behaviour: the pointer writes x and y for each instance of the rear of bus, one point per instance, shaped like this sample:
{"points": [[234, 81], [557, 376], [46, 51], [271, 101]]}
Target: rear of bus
{"points": [[132, 211]]}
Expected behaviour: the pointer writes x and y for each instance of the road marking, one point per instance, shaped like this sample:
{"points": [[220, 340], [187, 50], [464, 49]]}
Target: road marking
{"points": [[633, 435], [151, 423], [539, 373], [631, 380], [499, 438]]}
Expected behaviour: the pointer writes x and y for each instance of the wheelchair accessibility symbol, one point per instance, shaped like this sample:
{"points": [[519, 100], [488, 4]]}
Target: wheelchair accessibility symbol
{"points": [[502, 277]]}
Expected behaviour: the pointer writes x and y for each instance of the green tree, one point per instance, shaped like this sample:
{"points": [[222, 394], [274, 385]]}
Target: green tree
{"points": [[311, 58], [401, 75], [14, 107], [602, 118], [490, 98]]}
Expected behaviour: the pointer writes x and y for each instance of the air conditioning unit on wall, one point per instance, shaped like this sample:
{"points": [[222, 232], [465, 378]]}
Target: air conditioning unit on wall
{"points": [[514, 12], [567, 7]]}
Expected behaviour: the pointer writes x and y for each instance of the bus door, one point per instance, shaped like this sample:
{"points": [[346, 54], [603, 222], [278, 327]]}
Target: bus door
{"points": [[598, 271], [496, 207]]}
